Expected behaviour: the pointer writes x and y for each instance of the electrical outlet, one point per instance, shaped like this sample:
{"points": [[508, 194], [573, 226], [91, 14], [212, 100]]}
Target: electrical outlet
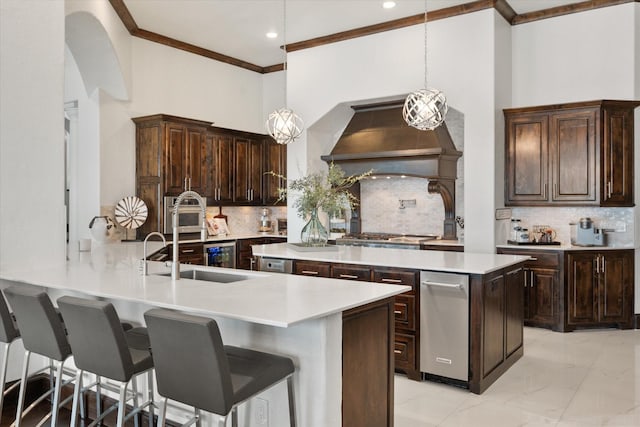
{"points": [[261, 412], [615, 226], [621, 227]]}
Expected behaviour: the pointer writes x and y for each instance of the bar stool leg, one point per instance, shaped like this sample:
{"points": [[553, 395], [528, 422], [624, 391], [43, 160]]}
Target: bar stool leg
{"points": [[150, 396], [134, 387], [162, 412], [76, 397], [98, 399], [234, 416], [3, 372], [292, 402], [23, 386], [56, 395], [122, 403]]}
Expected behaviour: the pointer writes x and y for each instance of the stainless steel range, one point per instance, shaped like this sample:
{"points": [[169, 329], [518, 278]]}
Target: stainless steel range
{"points": [[385, 240]]}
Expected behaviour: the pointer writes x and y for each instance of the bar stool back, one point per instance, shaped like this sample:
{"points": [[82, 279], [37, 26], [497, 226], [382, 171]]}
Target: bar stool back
{"points": [[195, 368], [101, 346], [43, 333], [8, 334]]}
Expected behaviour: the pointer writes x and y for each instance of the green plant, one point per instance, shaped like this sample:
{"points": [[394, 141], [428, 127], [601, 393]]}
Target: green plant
{"points": [[327, 191]]}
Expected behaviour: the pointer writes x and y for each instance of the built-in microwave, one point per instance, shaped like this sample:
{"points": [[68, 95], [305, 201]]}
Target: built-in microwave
{"points": [[190, 217]]}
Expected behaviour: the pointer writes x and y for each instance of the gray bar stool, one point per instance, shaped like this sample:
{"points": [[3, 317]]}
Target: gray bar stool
{"points": [[101, 346], [8, 334], [195, 368], [42, 333]]}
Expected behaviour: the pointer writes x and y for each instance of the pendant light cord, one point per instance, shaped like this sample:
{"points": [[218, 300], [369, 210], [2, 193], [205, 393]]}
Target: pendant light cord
{"points": [[284, 37], [425, 44]]}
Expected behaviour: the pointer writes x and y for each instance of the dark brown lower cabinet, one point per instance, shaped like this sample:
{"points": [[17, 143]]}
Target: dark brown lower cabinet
{"points": [[244, 255], [600, 288], [367, 365], [565, 290], [495, 329]]}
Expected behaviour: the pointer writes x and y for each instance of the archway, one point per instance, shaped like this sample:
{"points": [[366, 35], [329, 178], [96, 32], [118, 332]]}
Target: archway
{"points": [[92, 72]]}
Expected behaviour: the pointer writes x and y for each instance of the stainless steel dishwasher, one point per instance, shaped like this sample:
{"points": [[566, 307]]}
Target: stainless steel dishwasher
{"points": [[444, 324], [276, 265]]}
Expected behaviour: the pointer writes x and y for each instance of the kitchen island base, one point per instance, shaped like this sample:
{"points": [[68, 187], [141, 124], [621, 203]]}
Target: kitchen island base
{"points": [[496, 298]]}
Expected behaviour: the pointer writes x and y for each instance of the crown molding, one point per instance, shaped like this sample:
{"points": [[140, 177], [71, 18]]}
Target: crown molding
{"points": [[501, 6]]}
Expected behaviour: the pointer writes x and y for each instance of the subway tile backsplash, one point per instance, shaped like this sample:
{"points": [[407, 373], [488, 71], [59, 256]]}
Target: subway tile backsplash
{"points": [[559, 218], [245, 219]]}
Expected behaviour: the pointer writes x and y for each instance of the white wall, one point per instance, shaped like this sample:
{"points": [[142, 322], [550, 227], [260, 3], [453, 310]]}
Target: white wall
{"points": [[460, 63], [32, 215], [577, 57], [84, 165], [172, 81]]}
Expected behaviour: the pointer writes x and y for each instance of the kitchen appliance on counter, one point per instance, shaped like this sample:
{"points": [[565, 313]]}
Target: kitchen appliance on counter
{"points": [[265, 223], [385, 240], [584, 233], [282, 226], [190, 217], [444, 325], [220, 254]]}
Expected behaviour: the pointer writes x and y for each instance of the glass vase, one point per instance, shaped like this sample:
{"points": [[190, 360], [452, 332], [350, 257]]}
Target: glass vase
{"points": [[314, 233]]}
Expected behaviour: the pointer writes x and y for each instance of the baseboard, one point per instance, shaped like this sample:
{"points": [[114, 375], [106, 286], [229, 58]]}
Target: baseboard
{"points": [[636, 321]]}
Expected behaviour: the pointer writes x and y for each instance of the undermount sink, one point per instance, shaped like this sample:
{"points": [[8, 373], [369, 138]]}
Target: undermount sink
{"points": [[210, 276]]}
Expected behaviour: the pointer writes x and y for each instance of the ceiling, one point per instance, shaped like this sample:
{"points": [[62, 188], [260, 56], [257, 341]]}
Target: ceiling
{"points": [[237, 28]]}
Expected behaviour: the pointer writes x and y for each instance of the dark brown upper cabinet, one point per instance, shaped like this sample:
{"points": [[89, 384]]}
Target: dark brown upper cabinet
{"points": [[248, 170], [226, 166], [275, 161], [570, 154]]}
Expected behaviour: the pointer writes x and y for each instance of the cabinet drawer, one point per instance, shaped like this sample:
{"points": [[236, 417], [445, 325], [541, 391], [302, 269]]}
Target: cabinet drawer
{"points": [[539, 258], [544, 259], [311, 268], [190, 249], [362, 274], [404, 351], [404, 310], [397, 277], [192, 259]]}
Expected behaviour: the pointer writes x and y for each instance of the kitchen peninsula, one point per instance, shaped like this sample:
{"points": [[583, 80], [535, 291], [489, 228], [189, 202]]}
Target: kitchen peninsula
{"points": [[317, 322], [494, 306]]}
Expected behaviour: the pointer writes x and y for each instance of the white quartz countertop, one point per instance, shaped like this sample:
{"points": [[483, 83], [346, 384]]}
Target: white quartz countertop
{"points": [[454, 262], [112, 271], [563, 247]]}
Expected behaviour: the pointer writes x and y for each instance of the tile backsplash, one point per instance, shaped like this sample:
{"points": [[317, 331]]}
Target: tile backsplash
{"points": [[246, 219], [559, 218], [381, 209]]}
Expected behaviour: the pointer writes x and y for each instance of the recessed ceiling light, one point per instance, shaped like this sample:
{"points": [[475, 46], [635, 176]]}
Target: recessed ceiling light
{"points": [[272, 35], [388, 4]]}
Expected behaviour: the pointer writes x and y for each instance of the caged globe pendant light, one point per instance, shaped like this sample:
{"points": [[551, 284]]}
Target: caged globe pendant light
{"points": [[425, 109], [283, 124]]}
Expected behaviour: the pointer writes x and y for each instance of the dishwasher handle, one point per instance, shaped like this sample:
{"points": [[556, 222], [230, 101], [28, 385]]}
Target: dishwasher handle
{"points": [[441, 285]]}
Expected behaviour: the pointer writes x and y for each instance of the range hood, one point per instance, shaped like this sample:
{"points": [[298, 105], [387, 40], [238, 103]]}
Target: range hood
{"points": [[378, 138]]}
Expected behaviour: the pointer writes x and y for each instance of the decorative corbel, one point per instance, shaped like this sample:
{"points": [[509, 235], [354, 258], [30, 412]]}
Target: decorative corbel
{"points": [[447, 190]]}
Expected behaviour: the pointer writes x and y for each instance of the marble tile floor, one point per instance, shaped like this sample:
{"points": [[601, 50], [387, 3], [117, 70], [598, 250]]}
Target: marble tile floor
{"points": [[576, 379]]}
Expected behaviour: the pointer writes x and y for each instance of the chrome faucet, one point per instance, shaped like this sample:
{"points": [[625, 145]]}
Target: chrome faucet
{"points": [[175, 265], [145, 271]]}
